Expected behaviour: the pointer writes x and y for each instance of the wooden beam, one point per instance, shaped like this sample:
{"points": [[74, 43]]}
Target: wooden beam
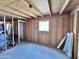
{"points": [[49, 3], [10, 14], [75, 31], [13, 31], [64, 6], [15, 2], [28, 6], [22, 21], [21, 8], [2, 8], [75, 9], [18, 32], [11, 2], [62, 41], [5, 32], [27, 2], [26, 13]]}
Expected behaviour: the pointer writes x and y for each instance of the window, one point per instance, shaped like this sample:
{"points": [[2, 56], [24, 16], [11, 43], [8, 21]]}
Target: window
{"points": [[43, 25]]}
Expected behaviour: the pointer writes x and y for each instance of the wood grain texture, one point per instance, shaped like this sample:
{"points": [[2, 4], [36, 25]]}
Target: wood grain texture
{"points": [[76, 33], [58, 27]]}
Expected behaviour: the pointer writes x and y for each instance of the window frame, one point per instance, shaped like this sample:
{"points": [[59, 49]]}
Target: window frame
{"points": [[41, 24]]}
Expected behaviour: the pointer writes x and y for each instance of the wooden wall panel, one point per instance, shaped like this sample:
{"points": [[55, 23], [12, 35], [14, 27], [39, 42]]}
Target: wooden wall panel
{"points": [[24, 31], [65, 25], [69, 23], [27, 30], [53, 33], [30, 30], [59, 26], [59, 29], [35, 31], [43, 36]]}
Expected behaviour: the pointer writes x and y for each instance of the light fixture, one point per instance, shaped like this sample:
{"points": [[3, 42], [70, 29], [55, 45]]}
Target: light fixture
{"points": [[30, 6]]}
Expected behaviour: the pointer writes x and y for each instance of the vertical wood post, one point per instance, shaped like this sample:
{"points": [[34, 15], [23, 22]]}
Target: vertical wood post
{"points": [[18, 32], [75, 31], [5, 32], [13, 32]]}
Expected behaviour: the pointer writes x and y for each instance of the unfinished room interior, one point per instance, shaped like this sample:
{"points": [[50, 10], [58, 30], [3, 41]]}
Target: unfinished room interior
{"points": [[39, 29]]}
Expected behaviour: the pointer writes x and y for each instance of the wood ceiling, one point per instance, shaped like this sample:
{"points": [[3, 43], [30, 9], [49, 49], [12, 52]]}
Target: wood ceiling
{"points": [[35, 8]]}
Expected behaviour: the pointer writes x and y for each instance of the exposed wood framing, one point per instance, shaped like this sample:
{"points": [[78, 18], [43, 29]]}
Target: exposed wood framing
{"points": [[14, 8], [49, 3], [18, 32], [12, 11], [62, 41], [64, 6], [5, 32], [13, 31], [33, 7], [18, 8], [75, 10], [11, 14], [24, 12], [21, 21], [75, 31]]}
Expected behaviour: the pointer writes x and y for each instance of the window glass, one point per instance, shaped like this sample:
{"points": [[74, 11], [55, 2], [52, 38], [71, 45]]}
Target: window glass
{"points": [[43, 25]]}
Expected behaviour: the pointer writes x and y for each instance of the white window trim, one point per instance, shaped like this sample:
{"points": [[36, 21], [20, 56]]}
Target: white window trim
{"points": [[44, 25]]}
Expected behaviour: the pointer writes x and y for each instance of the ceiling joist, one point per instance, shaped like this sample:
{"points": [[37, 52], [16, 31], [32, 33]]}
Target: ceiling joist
{"points": [[20, 7], [24, 12], [11, 14], [64, 6], [12, 11], [50, 10], [75, 9], [28, 7]]}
